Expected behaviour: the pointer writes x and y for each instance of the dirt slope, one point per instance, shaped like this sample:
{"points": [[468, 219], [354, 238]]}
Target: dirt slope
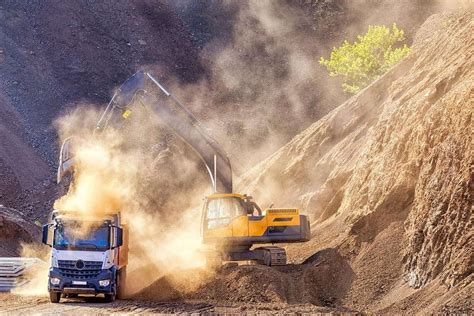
{"points": [[55, 54], [20, 165], [15, 228], [398, 152]]}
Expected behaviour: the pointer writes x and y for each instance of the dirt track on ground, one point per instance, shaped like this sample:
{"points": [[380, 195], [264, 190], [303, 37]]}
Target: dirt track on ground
{"points": [[10, 303]]}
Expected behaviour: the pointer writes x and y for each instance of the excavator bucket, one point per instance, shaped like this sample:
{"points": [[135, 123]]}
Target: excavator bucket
{"points": [[145, 90], [122, 101], [66, 157]]}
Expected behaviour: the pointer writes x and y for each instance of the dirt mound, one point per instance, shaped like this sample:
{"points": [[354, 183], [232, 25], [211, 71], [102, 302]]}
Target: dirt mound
{"points": [[398, 152], [322, 280], [245, 284]]}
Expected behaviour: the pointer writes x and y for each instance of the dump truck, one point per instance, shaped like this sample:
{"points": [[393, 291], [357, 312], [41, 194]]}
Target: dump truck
{"points": [[89, 255]]}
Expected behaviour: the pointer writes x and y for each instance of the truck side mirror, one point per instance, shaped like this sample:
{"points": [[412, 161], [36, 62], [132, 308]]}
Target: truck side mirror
{"points": [[119, 237], [47, 237]]}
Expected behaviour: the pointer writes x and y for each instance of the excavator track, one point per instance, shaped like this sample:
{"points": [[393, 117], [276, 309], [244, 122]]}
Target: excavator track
{"points": [[269, 256], [273, 256]]}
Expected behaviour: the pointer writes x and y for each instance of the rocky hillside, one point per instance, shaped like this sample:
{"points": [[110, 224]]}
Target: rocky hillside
{"points": [[20, 164], [256, 60], [55, 55], [387, 176]]}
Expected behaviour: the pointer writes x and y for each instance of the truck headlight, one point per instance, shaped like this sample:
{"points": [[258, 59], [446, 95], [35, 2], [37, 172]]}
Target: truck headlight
{"points": [[104, 283], [55, 281]]}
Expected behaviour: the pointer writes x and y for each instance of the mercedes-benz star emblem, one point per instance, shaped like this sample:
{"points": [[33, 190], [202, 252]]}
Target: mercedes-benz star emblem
{"points": [[79, 264]]}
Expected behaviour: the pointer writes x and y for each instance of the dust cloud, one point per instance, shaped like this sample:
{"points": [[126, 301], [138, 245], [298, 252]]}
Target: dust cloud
{"points": [[132, 170], [37, 275], [263, 85]]}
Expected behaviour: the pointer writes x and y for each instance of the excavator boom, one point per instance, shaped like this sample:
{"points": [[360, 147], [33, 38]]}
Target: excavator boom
{"points": [[142, 88]]}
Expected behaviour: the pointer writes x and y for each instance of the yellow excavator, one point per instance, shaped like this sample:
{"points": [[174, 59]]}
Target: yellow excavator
{"points": [[231, 223]]}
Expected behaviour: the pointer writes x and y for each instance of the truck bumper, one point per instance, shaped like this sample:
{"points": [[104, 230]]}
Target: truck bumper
{"points": [[78, 290], [70, 285]]}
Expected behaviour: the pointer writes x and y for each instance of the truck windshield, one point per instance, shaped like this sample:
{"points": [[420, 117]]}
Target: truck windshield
{"points": [[74, 236]]}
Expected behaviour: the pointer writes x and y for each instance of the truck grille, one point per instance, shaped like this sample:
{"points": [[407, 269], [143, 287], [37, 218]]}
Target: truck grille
{"points": [[81, 270]]}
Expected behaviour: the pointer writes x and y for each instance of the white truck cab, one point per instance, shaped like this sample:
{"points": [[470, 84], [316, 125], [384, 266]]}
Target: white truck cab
{"points": [[89, 255]]}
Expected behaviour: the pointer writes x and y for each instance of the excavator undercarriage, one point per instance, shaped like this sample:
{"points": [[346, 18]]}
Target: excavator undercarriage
{"points": [[270, 255]]}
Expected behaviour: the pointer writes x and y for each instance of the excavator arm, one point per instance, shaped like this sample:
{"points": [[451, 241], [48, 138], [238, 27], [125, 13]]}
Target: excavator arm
{"points": [[142, 88]]}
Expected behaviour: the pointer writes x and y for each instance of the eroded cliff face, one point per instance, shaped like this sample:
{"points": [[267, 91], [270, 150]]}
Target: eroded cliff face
{"points": [[20, 166], [398, 152]]}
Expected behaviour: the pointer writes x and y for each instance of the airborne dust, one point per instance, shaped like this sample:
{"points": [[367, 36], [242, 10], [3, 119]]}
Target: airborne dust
{"points": [[135, 173]]}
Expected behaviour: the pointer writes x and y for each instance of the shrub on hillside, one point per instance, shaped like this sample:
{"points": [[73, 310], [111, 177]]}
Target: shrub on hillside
{"points": [[369, 57]]}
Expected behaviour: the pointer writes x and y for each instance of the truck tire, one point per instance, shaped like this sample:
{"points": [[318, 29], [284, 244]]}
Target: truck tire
{"points": [[109, 298], [54, 297]]}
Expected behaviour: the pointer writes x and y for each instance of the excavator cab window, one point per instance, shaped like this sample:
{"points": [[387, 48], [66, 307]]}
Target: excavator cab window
{"points": [[220, 212]]}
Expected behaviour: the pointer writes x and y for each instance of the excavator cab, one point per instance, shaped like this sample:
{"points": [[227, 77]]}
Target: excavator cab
{"points": [[220, 211]]}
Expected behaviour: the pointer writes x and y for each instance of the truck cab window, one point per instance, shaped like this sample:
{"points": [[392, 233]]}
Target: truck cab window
{"points": [[95, 237]]}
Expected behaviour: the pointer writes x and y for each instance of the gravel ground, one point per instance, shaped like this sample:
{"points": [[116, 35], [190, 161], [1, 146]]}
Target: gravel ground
{"points": [[12, 304]]}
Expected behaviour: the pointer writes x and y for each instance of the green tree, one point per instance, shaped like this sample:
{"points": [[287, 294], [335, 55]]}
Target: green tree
{"points": [[369, 57]]}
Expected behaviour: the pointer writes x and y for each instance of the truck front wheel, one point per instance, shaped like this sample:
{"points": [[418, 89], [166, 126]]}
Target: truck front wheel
{"points": [[54, 297], [109, 298]]}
